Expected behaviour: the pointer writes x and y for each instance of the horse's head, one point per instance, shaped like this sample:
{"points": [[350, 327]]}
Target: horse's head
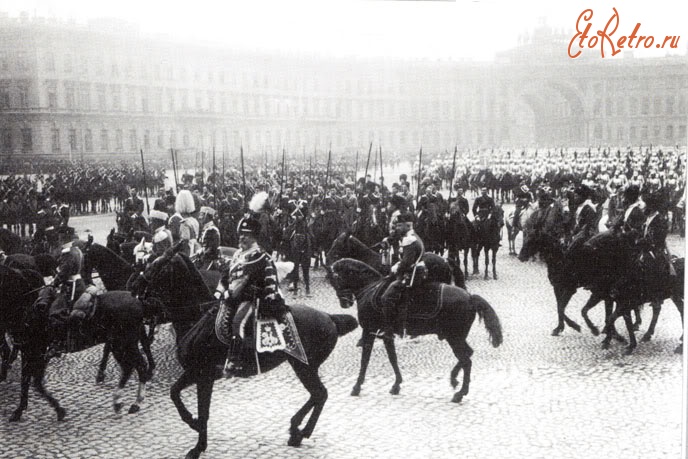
{"points": [[345, 295], [347, 276], [338, 248], [156, 277]]}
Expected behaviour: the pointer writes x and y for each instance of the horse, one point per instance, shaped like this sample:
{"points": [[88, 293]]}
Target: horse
{"points": [[434, 308], [515, 226], [487, 231], [117, 319], [458, 237], [42, 263], [178, 285], [325, 228], [346, 245], [430, 228], [9, 242], [568, 272]]}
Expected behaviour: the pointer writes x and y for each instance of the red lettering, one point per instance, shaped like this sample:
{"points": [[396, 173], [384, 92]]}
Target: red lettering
{"points": [[621, 41], [632, 36], [586, 15], [607, 35], [649, 40]]}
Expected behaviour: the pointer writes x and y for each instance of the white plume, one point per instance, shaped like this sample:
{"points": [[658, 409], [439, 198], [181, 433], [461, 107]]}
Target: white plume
{"points": [[258, 201]]}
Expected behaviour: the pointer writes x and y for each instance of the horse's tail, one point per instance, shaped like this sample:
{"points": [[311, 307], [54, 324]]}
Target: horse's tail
{"points": [[489, 316], [344, 322]]}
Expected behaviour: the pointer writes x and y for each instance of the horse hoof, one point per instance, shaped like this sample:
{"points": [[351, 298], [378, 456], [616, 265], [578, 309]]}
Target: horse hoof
{"points": [[61, 413], [487, 277], [118, 407], [494, 276], [646, 337], [595, 331], [395, 390], [356, 391], [556, 332], [100, 378], [193, 454], [16, 416], [295, 438], [629, 350], [679, 349], [605, 345], [457, 398], [134, 409], [454, 383]]}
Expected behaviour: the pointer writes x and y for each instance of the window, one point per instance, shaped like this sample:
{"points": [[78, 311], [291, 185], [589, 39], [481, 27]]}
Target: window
{"points": [[658, 105], [4, 62], [104, 141], [170, 101], [670, 105], [160, 140], [69, 97], [50, 62], [657, 132], [119, 140], [4, 98], [146, 140], [144, 101], [131, 99], [6, 135], [133, 141], [609, 107], [27, 140], [102, 98], [644, 133], [88, 141], [645, 107], [72, 140], [116, 97], [682, 131], [619, 134], [621, 107], [633, 134], [185, 139], [85, 97], [68, 64], [55, 140], [173, 139], [670, 132]]}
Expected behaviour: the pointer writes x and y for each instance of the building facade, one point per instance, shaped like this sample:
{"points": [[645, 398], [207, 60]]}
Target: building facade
{"points": [[104, 89]]}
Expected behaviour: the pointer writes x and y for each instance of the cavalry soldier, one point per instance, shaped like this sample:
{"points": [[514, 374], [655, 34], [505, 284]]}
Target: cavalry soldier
{"points": [[390, 245], [652, 242], [586, 213], [160, 202], [349, 204], [209, 258], [633, 216], [133, 204], [182, 225], [300, 250], [522, 199], [410, 271], [460, 199], [483, 205], [250, 282]]}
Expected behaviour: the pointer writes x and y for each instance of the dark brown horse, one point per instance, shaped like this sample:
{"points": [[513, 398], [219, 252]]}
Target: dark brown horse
{"points": [[487, 232], [173, 279], [118, 319], [434, 308]]}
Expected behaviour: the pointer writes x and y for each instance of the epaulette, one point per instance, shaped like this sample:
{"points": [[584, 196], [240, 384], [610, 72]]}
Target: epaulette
{"points": [[408, 240]]}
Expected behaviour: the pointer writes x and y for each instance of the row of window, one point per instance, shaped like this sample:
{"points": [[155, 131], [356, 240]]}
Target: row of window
{"points": [[661, 105], [668, 133]]}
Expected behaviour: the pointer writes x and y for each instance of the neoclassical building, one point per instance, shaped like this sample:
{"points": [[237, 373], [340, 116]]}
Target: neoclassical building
{"points": [[81, 90]]}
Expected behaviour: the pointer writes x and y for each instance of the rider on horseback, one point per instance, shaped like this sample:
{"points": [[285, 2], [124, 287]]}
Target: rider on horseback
{"points": [[483, 205], [522, 199], [410, 271], [250, 281], [209, 257]]}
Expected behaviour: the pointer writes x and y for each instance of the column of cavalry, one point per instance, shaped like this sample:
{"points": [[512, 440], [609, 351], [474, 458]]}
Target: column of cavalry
{"points": [[186, 243]]}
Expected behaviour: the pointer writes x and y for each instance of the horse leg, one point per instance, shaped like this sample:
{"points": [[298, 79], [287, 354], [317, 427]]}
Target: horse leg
{"points": [[185, 380], [368, 341], [5, 353], [475, 252], [494, 264], [592, 302], [392, 355], [26, 373], [638, 318], [318, 396], [678, 301], [204, 392], [656, 308], [563, 296], [632, 344], [463, 353], [127, 369], [465, 261], [100, 377], [487, 262], [38, 384], [146, 341], [609, 327], [144, 373]]}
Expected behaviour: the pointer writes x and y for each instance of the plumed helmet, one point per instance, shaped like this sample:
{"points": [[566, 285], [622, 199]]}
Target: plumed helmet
{"points": [[184, 204], [249, 226]]}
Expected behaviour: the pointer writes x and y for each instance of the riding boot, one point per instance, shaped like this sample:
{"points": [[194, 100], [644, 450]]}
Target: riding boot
{"points": [[234, 362]]}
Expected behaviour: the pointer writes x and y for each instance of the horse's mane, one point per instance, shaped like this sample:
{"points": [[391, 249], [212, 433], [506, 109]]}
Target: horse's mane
{"points": [[359, 269], [194, 278]]}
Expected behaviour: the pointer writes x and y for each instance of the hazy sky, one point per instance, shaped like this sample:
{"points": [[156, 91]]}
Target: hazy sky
{"points": [[474, 29]]}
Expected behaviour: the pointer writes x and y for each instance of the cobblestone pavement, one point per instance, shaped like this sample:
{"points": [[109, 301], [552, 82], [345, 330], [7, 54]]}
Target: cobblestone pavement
{"points": [[536, 396]]}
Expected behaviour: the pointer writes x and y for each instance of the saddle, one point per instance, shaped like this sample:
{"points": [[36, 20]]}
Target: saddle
{"points": [[271, 334], [416, 307]]}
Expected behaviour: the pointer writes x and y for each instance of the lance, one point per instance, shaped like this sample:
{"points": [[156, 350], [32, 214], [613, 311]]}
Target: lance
{"points": [[243, 173], [453, 172], [420, 162], [203, 166], [145, 185], [356, 170], [365, 177], [223, 169], [174, 170], [282, 174], [327, 174], [375, 168], [214, 178], [382, 176]]}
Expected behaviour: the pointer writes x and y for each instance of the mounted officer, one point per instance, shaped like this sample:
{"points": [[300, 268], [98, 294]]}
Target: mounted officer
{"points": [[522, 199], [250, 282], [483, 205], [655, 257], [410, 272], [67, 287], [209, 257], [633, 217]]}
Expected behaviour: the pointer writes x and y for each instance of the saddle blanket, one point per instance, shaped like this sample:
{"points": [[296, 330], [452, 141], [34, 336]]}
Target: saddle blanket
{"points": [[271, 334], [424, 302]]}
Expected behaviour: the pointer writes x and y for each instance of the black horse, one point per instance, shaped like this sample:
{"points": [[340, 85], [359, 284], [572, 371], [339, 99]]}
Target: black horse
{"points": [[488, 237], [42, 263], [458, 236], [9, 242], [346, 245], [173, 279], [325, 228], [613, 263], [434, 308], [117, 319]]}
